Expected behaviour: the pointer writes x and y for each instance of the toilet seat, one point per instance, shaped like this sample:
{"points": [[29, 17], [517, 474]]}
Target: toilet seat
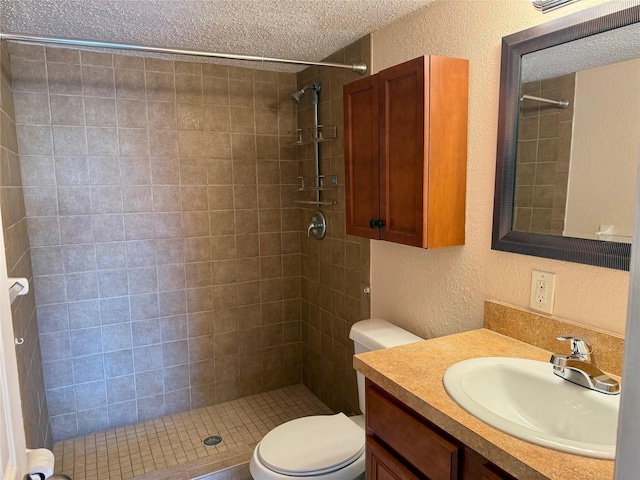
{"points": [[312, 446]]}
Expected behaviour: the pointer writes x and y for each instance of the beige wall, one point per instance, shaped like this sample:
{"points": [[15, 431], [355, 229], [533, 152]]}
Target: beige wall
{"points": [[442, 291], [14, 228], [606, 126]]}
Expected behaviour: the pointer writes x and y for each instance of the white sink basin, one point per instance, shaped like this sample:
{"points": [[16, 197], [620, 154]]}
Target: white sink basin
{"points": [[525, 399]]}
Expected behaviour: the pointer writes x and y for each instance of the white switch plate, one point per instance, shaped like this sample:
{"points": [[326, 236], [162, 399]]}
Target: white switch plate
{"points": [[543, 286]]}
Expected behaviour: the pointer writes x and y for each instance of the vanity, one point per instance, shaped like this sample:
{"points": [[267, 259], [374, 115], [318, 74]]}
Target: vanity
{"points": [[415, 430], [403, 444]]}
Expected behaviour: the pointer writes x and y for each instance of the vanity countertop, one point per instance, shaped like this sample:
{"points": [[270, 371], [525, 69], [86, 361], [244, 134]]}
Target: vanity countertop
{"points": [[413, 374]]}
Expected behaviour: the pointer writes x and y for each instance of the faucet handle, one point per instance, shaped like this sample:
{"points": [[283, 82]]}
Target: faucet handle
{"points": [[580, 346]]}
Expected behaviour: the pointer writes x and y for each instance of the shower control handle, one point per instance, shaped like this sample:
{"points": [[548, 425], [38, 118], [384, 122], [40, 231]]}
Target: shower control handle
{"points": [[312, 226], [318, 225]]}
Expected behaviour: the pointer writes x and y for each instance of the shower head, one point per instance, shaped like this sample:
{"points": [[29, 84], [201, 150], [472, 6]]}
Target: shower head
{"points": [[297, 96]]}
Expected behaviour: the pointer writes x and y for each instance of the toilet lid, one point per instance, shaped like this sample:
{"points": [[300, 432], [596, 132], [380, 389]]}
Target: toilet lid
{"points": [[312, 445]]}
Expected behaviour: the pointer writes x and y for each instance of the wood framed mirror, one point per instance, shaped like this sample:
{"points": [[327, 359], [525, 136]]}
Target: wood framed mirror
{"points": [[611, 30]]}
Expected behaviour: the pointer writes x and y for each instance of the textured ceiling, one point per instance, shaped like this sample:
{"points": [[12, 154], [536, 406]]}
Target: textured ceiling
{"points": [[618, 45], [302, 30]]}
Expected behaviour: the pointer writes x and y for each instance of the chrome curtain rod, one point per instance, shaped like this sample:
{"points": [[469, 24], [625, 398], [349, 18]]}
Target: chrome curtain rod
{"points": [[558, 103], [361, 68]]}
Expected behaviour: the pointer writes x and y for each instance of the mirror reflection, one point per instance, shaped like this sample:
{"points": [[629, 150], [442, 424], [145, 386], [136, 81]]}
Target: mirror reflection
{"points": [[578, 138]]}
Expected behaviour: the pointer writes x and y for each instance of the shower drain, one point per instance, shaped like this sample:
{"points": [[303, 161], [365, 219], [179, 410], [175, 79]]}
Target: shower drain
{"points": [[212, 441]]}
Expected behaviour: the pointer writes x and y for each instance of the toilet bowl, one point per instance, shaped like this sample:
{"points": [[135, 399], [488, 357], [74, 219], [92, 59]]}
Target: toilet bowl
{"points": [[325, 447]]}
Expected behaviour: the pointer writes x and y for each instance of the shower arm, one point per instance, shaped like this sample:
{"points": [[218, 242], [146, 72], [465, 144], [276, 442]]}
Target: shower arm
{"points": [[360, 68], [562, 104], [316, 87]]}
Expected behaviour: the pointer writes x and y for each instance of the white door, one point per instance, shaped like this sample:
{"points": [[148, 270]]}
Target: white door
{"points": [[627, 458], [12, 439]]}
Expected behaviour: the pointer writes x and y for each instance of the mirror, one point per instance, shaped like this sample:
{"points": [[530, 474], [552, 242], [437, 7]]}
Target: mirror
{"points": [[568, 141], [579, 110]]}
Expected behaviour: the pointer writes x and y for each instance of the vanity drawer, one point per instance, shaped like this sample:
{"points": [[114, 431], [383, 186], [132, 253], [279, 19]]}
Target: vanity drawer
{"points": [[383, 465], [407, 434]]}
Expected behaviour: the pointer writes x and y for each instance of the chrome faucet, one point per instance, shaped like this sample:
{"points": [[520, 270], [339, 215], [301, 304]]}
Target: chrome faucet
{"points": [[580, 367]]}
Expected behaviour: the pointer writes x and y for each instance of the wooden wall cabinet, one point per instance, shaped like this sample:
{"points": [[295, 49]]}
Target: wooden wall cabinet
{"points": [[402, 445], [406, 153]]}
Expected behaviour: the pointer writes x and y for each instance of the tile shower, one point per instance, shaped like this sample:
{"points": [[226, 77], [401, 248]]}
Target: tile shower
{"points": [[165, 245], [170, 262], [544, 151], [23, 310], [335, 271]]}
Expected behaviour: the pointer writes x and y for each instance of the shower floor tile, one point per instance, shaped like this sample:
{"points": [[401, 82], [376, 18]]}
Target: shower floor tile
{"points": [[171, 447]]}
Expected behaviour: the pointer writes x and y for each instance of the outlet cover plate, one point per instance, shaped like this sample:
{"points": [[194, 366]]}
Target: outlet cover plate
{"points": [[543, 286]]}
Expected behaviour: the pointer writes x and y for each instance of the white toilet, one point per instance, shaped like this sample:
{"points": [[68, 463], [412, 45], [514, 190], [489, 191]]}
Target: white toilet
{"points": [[326, 447]]}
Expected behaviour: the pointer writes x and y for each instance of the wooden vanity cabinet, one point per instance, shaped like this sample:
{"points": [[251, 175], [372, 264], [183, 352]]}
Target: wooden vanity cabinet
{"points": [[403, 445], [406, 153]]}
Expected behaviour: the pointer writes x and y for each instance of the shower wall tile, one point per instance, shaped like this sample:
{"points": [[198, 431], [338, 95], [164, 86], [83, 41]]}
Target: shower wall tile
{"points": [[90, 420], [95, 58], [53, 318], [28, 76], [88, 368], [32, 108], [34, 140], [118, 363], [544, 150], [124, 413], [333, 272], [62, 55], [149, 211], [83, 314], [120, 389]]}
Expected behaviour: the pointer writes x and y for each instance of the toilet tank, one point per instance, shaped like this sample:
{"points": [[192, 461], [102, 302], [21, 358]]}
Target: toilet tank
{"points": [[375, 334]]}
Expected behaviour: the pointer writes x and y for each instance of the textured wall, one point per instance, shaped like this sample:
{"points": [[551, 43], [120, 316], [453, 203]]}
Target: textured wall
{"points": [[14, 228], [442, 291], [606, 126], [336, 269], [165, 246]]}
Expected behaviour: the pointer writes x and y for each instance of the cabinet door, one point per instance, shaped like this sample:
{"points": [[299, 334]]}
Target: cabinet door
{"points": [[403, 122], [383, 465], [489, 473], [447, 151], [476, 467], [409, 436], [361, 156]]}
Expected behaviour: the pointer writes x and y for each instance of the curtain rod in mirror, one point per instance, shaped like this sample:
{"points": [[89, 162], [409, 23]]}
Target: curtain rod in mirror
{"points": [[547, 5], [556, 103]]}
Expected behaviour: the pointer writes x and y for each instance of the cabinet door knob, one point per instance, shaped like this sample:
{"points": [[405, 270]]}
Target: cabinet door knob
{"points": [[380, 223], [372, 223]]}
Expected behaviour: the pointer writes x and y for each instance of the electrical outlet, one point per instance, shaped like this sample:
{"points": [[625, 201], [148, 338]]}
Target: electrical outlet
{"points": [[543, 285]]}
